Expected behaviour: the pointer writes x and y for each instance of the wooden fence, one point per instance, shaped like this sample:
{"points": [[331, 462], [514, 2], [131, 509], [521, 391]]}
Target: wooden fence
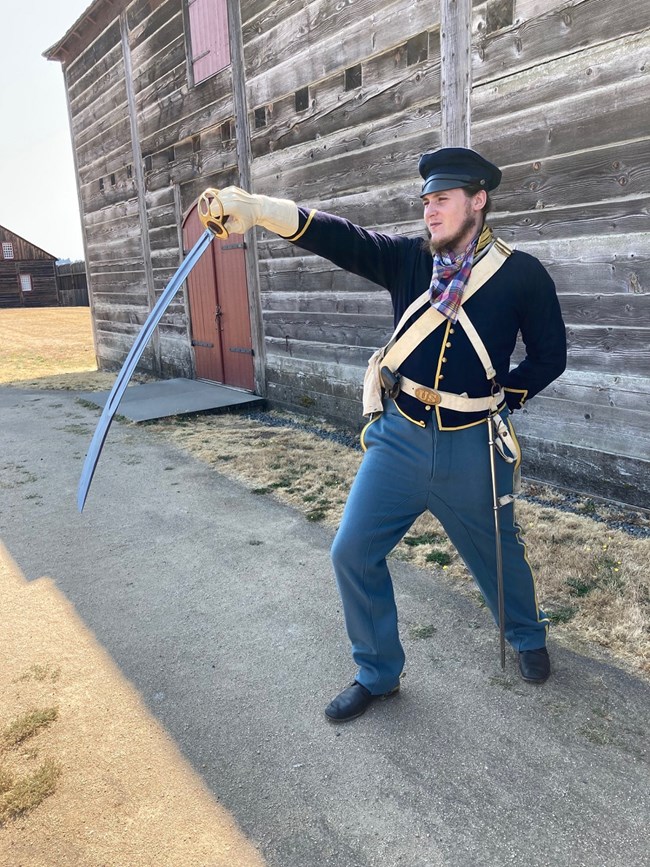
{"points": [[72, 285]]}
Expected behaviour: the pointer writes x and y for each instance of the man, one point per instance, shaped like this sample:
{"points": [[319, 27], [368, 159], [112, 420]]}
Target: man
{"points": [[459, 301]]}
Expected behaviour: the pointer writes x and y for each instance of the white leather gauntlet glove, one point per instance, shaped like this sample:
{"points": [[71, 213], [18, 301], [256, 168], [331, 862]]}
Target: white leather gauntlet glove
{"points": [[234, 210]]}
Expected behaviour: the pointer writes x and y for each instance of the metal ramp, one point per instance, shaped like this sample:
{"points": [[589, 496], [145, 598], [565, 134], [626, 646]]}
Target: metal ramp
{"points": [[168, 397]]}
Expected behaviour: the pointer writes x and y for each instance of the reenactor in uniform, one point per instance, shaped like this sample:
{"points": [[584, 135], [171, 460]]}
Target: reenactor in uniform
{"points": [[460, 299]]}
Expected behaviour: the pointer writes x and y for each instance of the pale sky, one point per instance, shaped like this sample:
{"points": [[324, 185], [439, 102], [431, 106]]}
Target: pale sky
{"points": [[38, 192]]}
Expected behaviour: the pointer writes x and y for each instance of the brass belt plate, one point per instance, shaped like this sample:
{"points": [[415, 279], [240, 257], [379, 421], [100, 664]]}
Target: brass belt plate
{"points": [[426, 396]]}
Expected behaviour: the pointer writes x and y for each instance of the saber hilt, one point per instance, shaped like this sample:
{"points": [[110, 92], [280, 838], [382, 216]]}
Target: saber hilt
{"points": [[211, 213]]}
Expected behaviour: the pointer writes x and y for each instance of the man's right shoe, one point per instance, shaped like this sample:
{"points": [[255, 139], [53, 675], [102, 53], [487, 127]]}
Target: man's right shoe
{"points": [[353, 702]]}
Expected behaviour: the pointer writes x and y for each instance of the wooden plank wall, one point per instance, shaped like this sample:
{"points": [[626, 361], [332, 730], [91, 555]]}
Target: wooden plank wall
{"points": [[353, 151], [185, 144], [560, 102]]}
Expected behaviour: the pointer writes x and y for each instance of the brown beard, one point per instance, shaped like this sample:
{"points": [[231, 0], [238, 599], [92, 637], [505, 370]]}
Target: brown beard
{"points": [[469, 223]]}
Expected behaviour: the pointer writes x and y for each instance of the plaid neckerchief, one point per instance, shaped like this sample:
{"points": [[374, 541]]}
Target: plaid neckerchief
{"points": [[451, 273]]}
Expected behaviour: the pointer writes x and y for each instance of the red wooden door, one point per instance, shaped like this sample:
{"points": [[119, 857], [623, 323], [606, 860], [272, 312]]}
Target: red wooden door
{"points": [[220, 319]]}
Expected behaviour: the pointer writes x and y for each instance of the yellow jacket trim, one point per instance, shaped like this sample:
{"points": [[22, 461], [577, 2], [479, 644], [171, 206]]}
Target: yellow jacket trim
{"points": [[362, 435], [302, 231], [414, 420], [522, 391]]}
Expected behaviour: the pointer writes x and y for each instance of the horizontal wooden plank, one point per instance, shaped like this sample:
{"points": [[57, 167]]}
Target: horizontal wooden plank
{"points": [[354, 356], [341, 328], [386, 90], [607, 70], [347, 169], [620, 216], [601, 175], [328, 302], [559, 32], [338, 409], [93, 57], [181, 114], [615, 430], [318, 376], [587, 471], [330, 279], [615, 350], [564, 127], [525, 9], [585, 387], [610, 263], [93, 86], [276, 65], [625, 309]]}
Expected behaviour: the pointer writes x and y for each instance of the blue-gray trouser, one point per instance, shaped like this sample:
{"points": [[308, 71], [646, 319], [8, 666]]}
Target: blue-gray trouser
{"points": [[406, 470]]}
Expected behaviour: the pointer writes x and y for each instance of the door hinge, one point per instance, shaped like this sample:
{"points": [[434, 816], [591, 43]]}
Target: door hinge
{"points": [[241, 349], [203, 343]]}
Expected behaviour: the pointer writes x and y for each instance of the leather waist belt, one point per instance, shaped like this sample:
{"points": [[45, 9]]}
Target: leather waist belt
{"points": [[448, 400]]}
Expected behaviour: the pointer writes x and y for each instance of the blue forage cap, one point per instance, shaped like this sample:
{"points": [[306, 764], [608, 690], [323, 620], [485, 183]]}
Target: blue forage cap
{"points": [[450, 168]]}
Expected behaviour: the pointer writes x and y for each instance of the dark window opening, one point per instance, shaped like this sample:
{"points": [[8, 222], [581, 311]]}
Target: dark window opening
{"points": [[113, 181], [499, 14], [148, 164], [260, 117], [302, 99], [353, 77], [101, 185], [417, 49], [129, 172], [196, 144], [226, 131], [171, 155]]}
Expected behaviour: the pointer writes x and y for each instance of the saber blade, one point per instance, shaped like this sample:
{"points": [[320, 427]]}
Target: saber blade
{"points": [[130, 363]]}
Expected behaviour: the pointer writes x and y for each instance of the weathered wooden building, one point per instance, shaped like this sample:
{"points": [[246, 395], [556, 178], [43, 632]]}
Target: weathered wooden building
{"points": [[331, 104], [27, 273]]}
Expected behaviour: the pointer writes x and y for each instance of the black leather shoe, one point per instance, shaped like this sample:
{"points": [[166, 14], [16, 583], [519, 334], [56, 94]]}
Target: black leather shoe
{"points": [[353, 701], [534, 665]]}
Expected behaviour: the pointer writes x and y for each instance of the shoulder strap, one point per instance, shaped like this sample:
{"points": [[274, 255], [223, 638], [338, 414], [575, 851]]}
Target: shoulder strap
{"points": [[400, 349]]}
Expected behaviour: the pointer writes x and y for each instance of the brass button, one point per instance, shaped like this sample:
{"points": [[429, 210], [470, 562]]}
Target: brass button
{"points": [[428, 408], [443, 360], [451, 331], [441, 376], [447, 345]]}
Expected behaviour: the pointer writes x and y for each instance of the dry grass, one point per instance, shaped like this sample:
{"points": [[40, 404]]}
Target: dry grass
{"points": [[27, 725], [27, 792], [593, 581], [21, 787], [45, 342]]}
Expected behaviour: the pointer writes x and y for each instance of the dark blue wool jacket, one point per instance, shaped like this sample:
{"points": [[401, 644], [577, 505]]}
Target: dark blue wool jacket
{"points": [[520, 297]]}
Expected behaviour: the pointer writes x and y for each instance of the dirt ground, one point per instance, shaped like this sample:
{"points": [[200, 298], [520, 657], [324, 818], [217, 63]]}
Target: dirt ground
{"points": [[593, 578]]}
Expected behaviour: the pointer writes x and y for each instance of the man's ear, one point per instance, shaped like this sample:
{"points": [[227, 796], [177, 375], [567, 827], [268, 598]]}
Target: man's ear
{"points": [[479, 200]]}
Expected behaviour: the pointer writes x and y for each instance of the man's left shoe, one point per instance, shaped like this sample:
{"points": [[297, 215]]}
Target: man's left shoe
{"points": [[354, 701], [534, 665]]}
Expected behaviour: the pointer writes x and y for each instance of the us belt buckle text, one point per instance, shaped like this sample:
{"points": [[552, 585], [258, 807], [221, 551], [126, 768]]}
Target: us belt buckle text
{"points": [[426, 396]]}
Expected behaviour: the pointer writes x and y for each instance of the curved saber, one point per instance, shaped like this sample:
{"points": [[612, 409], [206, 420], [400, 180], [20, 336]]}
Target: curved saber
{"points": [[131, 361]]}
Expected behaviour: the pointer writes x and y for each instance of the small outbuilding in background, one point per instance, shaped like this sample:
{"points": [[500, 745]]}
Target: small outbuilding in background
{"points": [[27, 273]]}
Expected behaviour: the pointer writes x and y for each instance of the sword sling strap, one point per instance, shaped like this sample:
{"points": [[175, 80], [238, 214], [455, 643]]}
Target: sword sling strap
{"points": [[398, 349], [429, 321]]}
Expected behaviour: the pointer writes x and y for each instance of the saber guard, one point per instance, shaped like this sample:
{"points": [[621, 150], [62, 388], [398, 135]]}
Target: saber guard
{"points": [[211, 213]]}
